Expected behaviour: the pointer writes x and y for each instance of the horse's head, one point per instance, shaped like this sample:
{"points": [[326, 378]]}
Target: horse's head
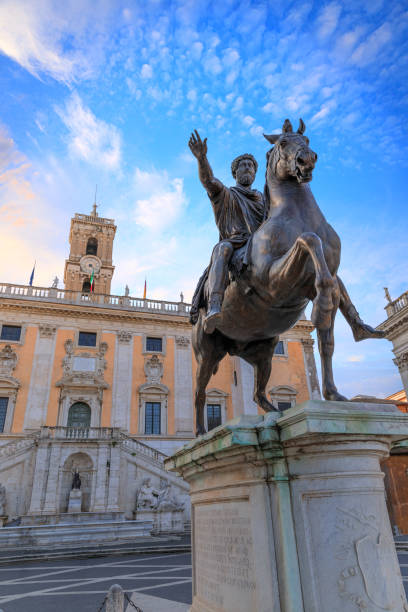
{"points": [[291, 157]]}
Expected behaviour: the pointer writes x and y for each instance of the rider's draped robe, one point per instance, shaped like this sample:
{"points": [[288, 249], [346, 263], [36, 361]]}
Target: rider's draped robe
{"points": [[238, 211]]}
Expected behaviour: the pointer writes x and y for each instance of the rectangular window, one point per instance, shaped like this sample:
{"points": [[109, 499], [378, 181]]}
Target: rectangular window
{"points": [[87, 339], [3, 412], [11, 332], [152, 418], [279, 348], [284, 405], [154, 345], [213, 415]]}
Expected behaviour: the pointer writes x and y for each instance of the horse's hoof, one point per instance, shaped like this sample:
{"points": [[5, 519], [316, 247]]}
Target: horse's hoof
{"points": [[362, 331], [334, 396]]}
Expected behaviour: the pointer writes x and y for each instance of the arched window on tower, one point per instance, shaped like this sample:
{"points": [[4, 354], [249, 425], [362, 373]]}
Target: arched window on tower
{"points": [[86, 286], [92, 246], [79, 415]]}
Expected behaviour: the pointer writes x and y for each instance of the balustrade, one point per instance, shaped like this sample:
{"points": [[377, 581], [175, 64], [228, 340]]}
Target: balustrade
{"points": [[66, 296], [397, 305]]}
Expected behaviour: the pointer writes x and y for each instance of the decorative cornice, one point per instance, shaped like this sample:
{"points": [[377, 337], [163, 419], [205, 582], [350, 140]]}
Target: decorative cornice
{"points": [[401, 361], [77, 311]]}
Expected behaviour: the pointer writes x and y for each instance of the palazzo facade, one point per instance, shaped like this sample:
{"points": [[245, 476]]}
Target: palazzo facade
{"points": [[104, 384]]}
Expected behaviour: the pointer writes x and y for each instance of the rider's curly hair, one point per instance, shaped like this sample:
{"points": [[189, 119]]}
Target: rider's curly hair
{"points": [[235, 163]]}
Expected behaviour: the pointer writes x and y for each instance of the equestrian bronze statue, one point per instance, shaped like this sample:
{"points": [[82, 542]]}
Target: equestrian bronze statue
{"points": [[276, 253]]}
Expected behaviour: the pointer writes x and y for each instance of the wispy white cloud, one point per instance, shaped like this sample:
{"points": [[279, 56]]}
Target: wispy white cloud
{"points": [[52, 39], [161, 199], [90, 139], [368, 50], [328, 19]]}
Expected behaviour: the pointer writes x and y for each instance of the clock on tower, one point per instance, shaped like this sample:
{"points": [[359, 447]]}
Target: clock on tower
{"points": [[91, 242]]}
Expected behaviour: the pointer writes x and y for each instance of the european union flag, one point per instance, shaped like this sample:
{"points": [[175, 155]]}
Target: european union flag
{"points": [[32, 277]]}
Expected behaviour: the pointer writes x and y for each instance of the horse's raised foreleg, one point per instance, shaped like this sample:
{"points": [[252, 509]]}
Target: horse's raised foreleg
{"points": [[291, 269], [208, 351], [259, 354], [361, 331], [325, 339]]}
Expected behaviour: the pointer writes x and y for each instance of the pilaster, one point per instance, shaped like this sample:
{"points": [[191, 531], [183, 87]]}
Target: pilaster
{"points": [[122, 381], [310, 368], [183, 386], [39, 390], [401, 361], [40, 478], [101, 475], [51, 501]]}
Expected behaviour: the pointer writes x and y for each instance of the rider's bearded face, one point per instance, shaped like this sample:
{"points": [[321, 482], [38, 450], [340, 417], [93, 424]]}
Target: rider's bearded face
{"points": [[245, 173]]}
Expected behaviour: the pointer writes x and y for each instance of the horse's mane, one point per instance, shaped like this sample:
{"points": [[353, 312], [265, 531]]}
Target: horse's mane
{"points": [[274, 152]]}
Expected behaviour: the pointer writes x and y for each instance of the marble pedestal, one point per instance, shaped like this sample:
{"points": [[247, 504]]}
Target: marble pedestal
{"points": [[289, 513], [163, 521], [75, 501], [3, 521]]}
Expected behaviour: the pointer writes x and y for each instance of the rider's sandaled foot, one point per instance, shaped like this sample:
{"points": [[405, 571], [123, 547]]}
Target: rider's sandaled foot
{"points": [[213, 314], [210, 322]]}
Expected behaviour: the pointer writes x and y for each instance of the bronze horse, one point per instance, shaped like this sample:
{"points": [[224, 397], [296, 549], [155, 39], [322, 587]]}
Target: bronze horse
{"points": [[294, 258]]}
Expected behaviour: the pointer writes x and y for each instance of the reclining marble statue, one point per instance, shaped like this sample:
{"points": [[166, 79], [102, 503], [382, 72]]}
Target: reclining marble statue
{"points": [[276, 253]]}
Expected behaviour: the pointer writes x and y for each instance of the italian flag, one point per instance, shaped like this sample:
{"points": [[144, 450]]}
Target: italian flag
{"points": [[92, 281]]}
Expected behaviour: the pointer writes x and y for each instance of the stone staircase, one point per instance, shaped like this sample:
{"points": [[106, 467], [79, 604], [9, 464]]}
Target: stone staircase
{"points": [[17, 446]]}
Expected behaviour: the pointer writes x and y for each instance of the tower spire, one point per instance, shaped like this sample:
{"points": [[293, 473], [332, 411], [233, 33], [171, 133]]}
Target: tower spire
{"points": [[94, 207]]}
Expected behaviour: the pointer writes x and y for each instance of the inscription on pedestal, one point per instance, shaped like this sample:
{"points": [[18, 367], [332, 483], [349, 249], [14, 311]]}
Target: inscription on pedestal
{"points": [[224, 556]]}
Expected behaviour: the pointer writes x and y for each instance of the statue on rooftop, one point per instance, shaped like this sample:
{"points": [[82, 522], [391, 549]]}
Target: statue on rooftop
{"points": [[276, 253]]}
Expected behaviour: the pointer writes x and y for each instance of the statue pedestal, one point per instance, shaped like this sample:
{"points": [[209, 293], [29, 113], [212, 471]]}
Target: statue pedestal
{"points": [[169, 521], [163, 521], [3, 520], [289, 514], [75, 501]]}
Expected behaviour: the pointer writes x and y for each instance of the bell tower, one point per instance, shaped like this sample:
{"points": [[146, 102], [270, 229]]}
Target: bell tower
{"points": [[90, 257]]}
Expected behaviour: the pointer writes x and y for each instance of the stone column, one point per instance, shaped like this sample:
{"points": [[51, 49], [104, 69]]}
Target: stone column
{"points": [[114, 480], [289, 514], [183, 388], [401, 361], [40, 478], [122, 380], [310, 368], [39, 390]]}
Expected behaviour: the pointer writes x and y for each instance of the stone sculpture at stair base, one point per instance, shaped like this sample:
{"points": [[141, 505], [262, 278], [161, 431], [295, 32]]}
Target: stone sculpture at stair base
{"points": [[289, 513], [162, 507]]}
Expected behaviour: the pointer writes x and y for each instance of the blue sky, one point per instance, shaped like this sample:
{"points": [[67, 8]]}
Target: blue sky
{"points": [[107, 93]]}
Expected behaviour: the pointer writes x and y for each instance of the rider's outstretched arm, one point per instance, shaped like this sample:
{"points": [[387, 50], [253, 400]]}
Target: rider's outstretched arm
{"points": [[198, 148]]}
